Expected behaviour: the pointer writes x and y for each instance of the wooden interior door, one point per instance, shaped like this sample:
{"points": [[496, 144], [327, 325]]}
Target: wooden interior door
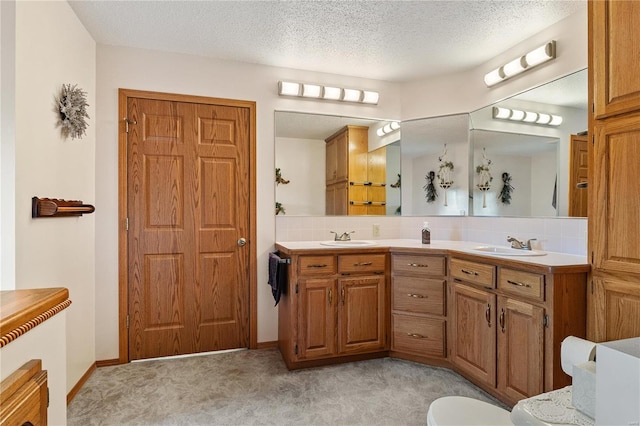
{"points": [[578, 173], [188, 190]]}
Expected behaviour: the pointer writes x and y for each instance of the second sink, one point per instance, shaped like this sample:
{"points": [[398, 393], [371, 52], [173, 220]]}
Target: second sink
{"points": [[350, 243], [507, 251]]}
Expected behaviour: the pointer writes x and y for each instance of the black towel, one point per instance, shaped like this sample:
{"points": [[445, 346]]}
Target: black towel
{"points": [[277, 276]]}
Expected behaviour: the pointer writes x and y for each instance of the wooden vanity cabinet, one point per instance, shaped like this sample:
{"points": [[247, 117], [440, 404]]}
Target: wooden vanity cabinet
{"points": [[507, 322], [418, 316], [24, 396], [335, 307], [614, 155]]}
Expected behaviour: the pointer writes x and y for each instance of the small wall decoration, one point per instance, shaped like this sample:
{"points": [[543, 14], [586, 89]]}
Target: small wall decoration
{"points": [[279, 178], [72, 106], [484, 177], [507, 188], [397, 184], [430, 189], [444, 173], [279, 208]]}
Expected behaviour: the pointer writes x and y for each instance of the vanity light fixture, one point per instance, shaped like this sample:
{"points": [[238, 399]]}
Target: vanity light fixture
{"points": [[316, 91], [388, 128], [537, 56], [526, 116]]}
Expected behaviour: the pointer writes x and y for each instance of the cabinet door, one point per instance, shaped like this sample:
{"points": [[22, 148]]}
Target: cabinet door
{"points": [[317, 317], [616, 189], [473, 333], [614, 46], [615, 307], [361, 315], [331, 162], [520, 349]]}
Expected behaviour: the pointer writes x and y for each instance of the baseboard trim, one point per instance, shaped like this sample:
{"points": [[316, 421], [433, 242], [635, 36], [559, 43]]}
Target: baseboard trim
{"points": [[72, 393], [108, 362], [265, 345]]}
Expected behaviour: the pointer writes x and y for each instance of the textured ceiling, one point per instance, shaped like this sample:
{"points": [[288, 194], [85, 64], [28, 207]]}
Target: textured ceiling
{"points": [[386, 40]]}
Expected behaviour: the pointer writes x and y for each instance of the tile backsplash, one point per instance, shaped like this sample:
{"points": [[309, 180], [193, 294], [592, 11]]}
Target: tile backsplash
{"points": [[564, 235]]}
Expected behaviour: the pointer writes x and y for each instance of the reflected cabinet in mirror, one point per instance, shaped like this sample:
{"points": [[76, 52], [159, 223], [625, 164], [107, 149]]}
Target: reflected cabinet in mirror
{"points": [[477, 164]]}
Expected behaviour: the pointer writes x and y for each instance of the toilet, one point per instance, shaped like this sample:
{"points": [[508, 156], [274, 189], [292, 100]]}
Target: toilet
{"points": [[460, 410]]}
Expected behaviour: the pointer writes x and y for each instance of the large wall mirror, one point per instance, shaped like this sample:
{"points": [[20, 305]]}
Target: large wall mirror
{"points": [[529, 164]]}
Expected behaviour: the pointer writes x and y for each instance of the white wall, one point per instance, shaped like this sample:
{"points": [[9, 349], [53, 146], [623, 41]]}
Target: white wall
{"points": [[8, 145], [466, 91], [53, 48], [302, 163], [167, 72]]}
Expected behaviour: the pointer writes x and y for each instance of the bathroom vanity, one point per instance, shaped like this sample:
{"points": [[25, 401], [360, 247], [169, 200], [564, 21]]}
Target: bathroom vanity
{"points": [[498, 319]]}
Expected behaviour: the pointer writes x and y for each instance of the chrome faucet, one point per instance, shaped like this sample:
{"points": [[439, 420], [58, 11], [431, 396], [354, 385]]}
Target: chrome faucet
{"points": [[517, 244], [346, 236]]}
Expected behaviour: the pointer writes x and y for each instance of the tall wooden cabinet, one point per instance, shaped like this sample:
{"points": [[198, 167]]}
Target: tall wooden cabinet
{"points": [[354, 179], [614, 185]]}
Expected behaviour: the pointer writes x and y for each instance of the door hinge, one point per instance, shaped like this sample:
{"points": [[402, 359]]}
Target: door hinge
{"points": [[545, 321], [297, 289], [295, 349], [592, 258], [126, 224], [592, 287], [48, 397], [127, 321], [593, 140], [126, 124]]}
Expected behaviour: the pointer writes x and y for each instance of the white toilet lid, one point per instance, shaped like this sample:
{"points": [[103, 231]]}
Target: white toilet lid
{"points": [[459, 410]]}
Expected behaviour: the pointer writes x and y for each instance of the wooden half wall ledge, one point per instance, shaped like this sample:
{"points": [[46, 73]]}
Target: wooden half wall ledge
{"points": [[53, 207], [23, 310]]}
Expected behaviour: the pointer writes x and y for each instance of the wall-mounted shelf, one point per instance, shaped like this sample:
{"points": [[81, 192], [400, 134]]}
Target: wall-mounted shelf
{"points": [[52, 207]]}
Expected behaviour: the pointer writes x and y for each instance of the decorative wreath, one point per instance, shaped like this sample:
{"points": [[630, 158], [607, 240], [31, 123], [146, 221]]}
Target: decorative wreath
{"points": [[72, 105]]}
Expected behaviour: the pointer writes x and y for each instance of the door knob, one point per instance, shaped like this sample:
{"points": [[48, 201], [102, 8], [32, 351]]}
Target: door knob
{"points": [[242, 242]]}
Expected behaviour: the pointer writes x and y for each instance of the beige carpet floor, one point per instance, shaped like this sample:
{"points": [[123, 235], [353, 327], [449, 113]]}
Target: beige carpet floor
{"points": [[255, 388]]}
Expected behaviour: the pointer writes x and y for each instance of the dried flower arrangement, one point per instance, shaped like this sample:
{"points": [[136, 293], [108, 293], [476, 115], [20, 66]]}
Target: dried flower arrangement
{"points": [[444, 173], [430, 189], [484, 177], [72, 106], [507, 188], [279, 178]]}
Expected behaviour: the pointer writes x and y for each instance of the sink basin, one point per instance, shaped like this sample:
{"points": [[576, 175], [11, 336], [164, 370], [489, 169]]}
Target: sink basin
{"points": [[352, 243], [507, 251]]}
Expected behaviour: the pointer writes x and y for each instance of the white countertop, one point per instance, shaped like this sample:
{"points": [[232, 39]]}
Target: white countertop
{"points": [[549, 259]]}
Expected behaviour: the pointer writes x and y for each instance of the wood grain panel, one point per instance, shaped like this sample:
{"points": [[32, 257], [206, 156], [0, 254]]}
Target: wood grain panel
{"points": [[218, 131], [473, 272], [361, 314], [617, 308], [419, 335], [578, 173], [473, 336], [162, 128], [218, 195], [520, 349], [162, 301], [356, 263], [617, 150], [419, 295], [521, 283], [615, 31], [319, 298], [24, 396], [164, 194], [419, 265], [218, 298]]}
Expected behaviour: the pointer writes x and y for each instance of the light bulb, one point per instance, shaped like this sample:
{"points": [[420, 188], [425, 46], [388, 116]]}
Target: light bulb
{"points": [[311, 90], [369, 97], [540, 55], [516, 115], [499, 112], [530, 117], [351, 95], [493, 77], [556, 120], [288, 88], [395, 125], [543, 118], [333, 93], [514, 67]]}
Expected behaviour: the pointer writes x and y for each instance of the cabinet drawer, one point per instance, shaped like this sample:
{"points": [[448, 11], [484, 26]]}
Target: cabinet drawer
{"points": [[314, 265], [419, 335], [353, 263], [521, 283], [473, 272], [419, 265], [419, 295]]}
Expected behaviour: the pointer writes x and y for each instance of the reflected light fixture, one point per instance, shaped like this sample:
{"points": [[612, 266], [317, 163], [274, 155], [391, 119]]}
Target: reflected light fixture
{"points": [[526, 116], [388, 128], [537, 56], [316, 91]]}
